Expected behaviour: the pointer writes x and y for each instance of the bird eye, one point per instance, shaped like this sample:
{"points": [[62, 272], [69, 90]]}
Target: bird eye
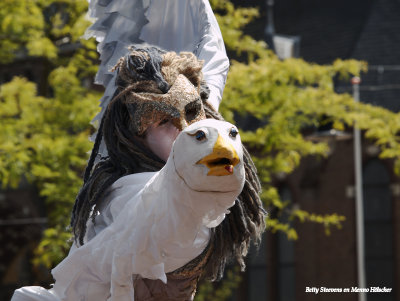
{"points": [[200, 135], [233, 132]]}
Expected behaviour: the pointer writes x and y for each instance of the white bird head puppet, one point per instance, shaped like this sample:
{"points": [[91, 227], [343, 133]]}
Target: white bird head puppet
{"points": [[208, 156]]}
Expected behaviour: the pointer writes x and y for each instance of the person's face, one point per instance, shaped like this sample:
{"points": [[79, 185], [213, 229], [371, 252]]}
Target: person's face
{"points": [[178, 108], [159, 138]]}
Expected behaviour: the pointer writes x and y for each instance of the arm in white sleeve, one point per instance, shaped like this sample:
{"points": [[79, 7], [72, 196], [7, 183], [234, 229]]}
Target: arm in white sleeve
{"points": [[211, 49], [190, 25]]}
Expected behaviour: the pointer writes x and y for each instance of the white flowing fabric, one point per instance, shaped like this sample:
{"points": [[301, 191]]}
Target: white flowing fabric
{"points": [[174, 25], [150, 224]]}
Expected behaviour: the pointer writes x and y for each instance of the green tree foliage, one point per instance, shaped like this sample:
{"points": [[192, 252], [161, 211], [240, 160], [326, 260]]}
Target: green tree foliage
{"points": [[223, 290], [286, 97], [44, 138]]}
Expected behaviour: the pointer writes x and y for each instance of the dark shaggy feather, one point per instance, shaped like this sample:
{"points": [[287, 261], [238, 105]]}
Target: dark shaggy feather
{"points": [[144, 64]]}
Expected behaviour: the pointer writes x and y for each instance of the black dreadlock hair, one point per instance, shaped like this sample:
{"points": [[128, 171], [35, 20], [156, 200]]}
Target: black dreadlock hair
{"points": [[127, 155], [245, 223]]}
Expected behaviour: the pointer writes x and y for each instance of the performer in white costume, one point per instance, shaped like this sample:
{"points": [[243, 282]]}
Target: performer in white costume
{"points": [[155, 215]]}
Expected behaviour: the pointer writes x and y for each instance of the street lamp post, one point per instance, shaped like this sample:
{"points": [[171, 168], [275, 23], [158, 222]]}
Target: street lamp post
{"points": [[355, 81]]}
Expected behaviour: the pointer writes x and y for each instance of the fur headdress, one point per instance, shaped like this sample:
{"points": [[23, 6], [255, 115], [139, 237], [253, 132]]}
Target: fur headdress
{"points": [[157, 85]]}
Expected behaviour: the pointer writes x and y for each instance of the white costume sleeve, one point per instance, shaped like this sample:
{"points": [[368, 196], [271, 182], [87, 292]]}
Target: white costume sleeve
{"points": [[190, 25]]}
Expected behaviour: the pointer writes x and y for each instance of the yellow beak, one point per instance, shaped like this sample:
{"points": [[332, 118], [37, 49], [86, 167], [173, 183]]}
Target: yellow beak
{"points": [[222, 159]]}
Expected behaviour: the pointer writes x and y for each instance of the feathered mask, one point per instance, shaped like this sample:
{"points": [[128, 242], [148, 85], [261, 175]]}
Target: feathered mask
{"points": [[157, 85]]}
